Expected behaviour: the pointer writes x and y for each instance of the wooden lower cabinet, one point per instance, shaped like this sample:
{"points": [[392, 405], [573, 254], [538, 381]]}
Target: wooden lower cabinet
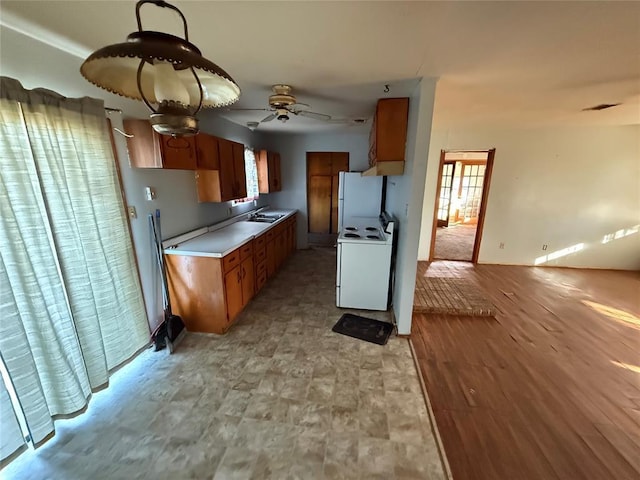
{"points": [[233, 292], [209, 293], [247, 279]]}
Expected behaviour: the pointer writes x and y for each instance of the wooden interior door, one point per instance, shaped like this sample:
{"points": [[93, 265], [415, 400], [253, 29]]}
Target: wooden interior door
{"points": [[319, 204], [339, 163], [444, 197], [322, 189]]}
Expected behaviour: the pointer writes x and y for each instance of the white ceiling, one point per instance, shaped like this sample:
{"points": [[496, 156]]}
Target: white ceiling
{"points": [[499, 63]]}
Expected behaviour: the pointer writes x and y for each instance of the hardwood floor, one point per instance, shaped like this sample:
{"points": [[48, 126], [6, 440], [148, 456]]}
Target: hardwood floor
{"points": [[550, 387]]}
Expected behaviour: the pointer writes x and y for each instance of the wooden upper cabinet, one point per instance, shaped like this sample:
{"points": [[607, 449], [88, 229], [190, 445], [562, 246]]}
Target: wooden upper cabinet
{"points": [[228, 181], [207, 149], [148, 149], [388, 137], [268, 164], [239, 172]]}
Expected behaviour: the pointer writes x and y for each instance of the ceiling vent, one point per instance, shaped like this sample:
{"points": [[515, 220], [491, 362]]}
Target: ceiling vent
{"points": [[602, 106]]}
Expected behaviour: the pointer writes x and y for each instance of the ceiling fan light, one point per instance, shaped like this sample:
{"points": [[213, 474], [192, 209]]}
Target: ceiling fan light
{"points": [[158, 68]]}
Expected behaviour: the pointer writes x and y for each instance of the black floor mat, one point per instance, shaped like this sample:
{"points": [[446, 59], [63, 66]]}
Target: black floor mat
{"points": [[366, 329]]}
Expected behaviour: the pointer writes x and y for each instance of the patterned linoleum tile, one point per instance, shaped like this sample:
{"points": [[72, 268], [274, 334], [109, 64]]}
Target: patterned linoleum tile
{"points": [[280, 396]]}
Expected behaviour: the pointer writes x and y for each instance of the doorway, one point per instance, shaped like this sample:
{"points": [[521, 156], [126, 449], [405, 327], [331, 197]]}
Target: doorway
{"points": [[322, 195], [461, 197]]}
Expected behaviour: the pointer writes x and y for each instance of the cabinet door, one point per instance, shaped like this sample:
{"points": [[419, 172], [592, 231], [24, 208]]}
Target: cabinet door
{"points": [[207, 152], [391, 129], [271, 257], [233, 292], [283, 246], [262, 165], [240, 177], [248, 279], [275, 178], [178, 152], [143, 146], [227, 176]]}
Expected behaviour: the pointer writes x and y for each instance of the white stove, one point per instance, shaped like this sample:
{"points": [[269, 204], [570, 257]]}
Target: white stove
{"points": [[364, 263], [364, 229]]}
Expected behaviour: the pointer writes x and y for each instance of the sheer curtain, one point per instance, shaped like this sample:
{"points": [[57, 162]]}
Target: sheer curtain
{"points": [[71, 301]]}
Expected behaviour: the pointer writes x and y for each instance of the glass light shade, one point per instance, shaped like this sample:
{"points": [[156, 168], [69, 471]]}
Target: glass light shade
{"points": [[114, 68], [167, 86]]}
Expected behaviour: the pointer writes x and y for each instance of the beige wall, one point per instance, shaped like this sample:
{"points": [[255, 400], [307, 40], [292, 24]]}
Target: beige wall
{"points": [[574, 189]]}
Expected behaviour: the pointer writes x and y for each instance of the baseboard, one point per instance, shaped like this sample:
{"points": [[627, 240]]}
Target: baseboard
{"points": [[432, 418]]}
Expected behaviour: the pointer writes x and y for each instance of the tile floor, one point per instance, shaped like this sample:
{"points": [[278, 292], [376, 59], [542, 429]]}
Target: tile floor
{"points": [[279, 397]]}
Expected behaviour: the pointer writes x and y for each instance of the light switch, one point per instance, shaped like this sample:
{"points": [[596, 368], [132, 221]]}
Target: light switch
{"points": [[150, 193], [132, 212]]}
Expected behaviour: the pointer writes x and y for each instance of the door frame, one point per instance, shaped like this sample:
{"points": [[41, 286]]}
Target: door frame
{"points": [[486, 183]]}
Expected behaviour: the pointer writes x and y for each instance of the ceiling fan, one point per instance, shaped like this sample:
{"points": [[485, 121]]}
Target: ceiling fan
{"points": [[282, 104]]}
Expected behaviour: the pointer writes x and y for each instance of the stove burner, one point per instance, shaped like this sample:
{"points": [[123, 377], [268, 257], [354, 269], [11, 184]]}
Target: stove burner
{"points": [[353, 229], [371, 229], [374, 237], [352, 235]]}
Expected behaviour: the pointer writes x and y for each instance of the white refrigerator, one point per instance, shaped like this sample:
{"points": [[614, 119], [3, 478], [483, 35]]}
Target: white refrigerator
{"points": [[358, 196]]}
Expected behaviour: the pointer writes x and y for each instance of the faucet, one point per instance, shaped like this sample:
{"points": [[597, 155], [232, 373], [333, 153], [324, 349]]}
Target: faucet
{"points": [[254, 214]]}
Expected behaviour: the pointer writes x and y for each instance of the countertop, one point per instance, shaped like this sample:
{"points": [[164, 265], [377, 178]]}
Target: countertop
{"points": [[219, 243]]}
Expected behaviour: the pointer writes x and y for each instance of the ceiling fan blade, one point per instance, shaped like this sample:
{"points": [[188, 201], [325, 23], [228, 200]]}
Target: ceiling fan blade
{"points": [[249, 109], [268, 118], [299, 104], [341, 121], [314, 115]]}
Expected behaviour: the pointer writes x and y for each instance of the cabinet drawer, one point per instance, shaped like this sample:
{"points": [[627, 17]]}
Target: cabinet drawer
{"points": [[261, 279], [246, 251], [270, 234], [261, 268], [231, 260], [260, 242], [261, 254]]}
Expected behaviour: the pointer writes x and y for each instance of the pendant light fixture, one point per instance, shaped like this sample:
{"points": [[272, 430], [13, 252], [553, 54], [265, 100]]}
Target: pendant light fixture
{"points": [[167, 73]]}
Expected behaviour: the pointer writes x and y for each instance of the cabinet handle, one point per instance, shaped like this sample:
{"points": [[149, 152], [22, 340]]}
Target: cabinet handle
{"points": [[244, 273], [239, 278]]}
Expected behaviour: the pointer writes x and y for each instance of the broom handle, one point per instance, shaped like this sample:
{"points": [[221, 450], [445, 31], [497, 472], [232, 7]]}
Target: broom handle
{"points": [[163, 265], [156, 247]]}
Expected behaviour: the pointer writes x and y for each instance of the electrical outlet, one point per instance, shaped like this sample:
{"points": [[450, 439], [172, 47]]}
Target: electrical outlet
{"points": [[502, 245], [544, 247], [150, 193], [132, 212]]}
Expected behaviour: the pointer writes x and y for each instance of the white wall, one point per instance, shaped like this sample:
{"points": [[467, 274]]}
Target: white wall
{"points": [[293, 157], [568, 188], [404, 200], [39, 65]]}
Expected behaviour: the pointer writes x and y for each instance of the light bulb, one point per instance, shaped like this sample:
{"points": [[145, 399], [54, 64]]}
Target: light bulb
{"points": [[167, 85]]}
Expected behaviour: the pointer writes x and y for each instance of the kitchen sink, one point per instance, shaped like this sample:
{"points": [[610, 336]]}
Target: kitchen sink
{"points": [[265, 217]]}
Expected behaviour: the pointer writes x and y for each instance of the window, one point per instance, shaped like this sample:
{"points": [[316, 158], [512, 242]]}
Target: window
{"points": [[251, 171]]}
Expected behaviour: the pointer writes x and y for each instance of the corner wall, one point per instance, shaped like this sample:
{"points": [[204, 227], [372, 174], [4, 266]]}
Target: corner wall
{"points": [[573, 189], [405, 195], [293, 157]]}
